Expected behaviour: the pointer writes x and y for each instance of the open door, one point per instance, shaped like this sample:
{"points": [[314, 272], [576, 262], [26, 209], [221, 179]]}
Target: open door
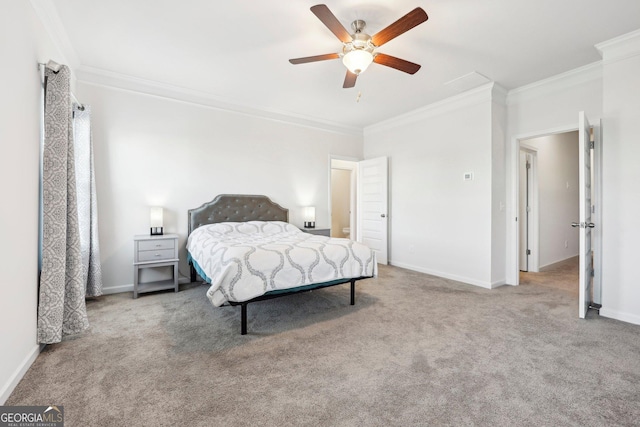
{"points": [[585, 224], [373, 205]]}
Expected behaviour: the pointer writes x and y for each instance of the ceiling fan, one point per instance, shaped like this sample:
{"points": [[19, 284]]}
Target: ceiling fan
{"points": [[359, 48]]}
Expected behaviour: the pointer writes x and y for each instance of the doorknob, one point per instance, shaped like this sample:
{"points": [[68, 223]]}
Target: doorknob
{"points": [[583, 224], [383, 216]]}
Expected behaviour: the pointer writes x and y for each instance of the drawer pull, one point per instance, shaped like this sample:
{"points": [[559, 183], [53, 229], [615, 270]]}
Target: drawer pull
{"points": [[158, 254], [158, 245]]}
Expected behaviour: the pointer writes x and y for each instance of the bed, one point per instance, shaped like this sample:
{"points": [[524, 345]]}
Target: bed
{"points": [[245, 249]]}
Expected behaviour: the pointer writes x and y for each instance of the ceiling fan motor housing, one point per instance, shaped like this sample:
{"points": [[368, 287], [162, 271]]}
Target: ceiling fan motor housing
{"points": [[360, 42]]}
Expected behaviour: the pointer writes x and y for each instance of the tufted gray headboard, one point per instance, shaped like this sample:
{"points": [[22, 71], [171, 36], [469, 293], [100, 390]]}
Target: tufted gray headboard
{"points": [[236, 208]]}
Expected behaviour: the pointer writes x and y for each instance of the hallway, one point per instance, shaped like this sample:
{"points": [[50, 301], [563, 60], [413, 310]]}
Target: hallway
{"points": [[562, 276]]}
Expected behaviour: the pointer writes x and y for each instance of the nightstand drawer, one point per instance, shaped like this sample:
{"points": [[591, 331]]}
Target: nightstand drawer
{"points": [[158, 255], [156, 244]]}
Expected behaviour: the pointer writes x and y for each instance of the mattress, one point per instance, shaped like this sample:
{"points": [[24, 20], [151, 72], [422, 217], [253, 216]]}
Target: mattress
{"points": [[244, 260]]}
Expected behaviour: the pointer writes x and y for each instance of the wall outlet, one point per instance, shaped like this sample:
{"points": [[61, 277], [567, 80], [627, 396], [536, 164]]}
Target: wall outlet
{"points": [[468, 176]]}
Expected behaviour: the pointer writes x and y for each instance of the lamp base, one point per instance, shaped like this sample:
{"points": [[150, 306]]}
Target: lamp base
{"points": [[309, 224], [157, 231]]}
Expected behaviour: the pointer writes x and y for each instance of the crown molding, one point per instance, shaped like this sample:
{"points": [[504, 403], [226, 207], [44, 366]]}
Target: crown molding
{"points": [[553, 84], [470, 98], [48, 15], [619, 48], [99, 77]]}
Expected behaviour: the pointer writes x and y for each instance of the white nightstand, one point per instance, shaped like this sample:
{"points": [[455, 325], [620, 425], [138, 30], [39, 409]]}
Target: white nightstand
{"points": [[154, 251]]}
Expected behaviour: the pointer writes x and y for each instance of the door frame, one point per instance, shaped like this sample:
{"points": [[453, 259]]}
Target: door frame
{"points": [[534, 217], [596, 233], [513, 234], [586, 139]]}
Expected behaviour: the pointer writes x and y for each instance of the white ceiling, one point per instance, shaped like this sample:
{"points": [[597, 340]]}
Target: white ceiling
{"points": [[237, 51]]}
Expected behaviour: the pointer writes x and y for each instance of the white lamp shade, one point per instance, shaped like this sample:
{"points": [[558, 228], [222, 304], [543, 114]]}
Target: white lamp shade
{"points": [[156, 216], [310, 214], [357, 60]]}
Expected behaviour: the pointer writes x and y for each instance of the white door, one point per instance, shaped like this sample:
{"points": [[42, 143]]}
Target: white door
{"points": [[372, 208], [585, 224]]}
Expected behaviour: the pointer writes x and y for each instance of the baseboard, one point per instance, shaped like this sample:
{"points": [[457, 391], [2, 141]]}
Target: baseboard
{"points": [[466, 280], [8, 388], [498, 283], [117, 289], [619, 315]]}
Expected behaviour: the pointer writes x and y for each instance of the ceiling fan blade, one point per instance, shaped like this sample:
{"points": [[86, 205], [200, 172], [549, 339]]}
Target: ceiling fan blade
{"points": [[416, 17], [349, 80], [397, 63], [314, 58], [329, 19]]}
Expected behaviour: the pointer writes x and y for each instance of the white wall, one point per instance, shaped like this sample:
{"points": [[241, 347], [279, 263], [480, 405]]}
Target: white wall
{"points": [[498, 186], [440, 224], [621, 178], [156, 151], [558, 195], [554, 103], [23, 43]]}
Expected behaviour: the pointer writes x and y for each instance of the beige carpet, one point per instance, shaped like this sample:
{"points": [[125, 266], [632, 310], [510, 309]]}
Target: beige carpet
{"points": [[562, 276], [415, 350]]}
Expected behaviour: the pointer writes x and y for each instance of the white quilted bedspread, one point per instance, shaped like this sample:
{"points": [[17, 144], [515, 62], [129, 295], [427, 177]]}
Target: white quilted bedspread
{"points": [[243, 260]]}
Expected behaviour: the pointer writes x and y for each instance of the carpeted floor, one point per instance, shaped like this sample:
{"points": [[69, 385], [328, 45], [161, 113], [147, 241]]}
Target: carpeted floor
{"points": [[415, 350], [563, 275]]}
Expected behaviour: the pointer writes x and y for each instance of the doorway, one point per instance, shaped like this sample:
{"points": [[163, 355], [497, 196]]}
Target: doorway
{"points": [[590, 193], [549, 201], [343, 198]]}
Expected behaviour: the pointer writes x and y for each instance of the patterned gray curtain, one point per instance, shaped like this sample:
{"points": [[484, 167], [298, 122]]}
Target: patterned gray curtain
{"points": [[87, 204], [61, 306]]}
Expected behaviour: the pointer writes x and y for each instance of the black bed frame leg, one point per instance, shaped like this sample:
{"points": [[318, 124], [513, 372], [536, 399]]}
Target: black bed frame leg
{"points": [[353, 292], [193, 273], [243, 319]]}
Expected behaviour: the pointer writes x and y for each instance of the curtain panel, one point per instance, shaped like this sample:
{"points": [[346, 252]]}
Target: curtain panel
{"points": [[61, 306]]}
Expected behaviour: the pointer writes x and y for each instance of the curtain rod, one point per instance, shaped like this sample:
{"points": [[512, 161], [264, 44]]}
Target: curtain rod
{"points": [[80, 105]]}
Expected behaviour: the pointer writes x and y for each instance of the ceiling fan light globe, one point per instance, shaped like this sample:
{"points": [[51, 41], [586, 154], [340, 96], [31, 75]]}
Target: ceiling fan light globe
{"points": [[357, 60]]}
